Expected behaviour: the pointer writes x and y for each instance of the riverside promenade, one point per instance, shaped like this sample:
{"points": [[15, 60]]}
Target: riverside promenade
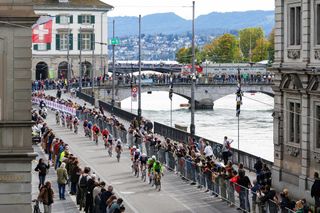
{"points": [[176, 195]]}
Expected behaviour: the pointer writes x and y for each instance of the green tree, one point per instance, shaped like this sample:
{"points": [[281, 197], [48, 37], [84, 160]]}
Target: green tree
{"points": [[271, 47], [248, 40], [260, 52], [184, 55], [223, 49]]}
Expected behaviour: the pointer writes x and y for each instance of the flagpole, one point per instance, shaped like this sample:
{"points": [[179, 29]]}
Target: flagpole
{"points": [[170, 96], [80, 59], [239, 100], [68, 58]]}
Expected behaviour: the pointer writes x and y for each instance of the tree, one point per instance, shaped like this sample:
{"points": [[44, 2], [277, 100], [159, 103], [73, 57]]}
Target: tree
{"points": [[248, 40], [271, 47], [260, 52], [184, 55], [223, 49]]}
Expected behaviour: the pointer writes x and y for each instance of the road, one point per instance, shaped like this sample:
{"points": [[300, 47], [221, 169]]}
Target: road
{"points": [[176, 195]]}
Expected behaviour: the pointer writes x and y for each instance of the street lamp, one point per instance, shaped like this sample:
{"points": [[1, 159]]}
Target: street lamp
{"points": [[139, 79], [192, 126]]}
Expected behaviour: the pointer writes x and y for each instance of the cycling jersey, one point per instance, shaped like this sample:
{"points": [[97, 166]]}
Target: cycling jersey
{"points": [[143, 159], [157, 167], [150, 163], [136, 155]]}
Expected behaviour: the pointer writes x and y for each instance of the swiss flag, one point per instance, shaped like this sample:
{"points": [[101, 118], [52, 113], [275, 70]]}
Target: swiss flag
{"points": [[42, 33]]}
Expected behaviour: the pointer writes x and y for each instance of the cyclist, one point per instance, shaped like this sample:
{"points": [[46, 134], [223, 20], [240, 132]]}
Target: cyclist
{"points": [[135, 166], [85, 127], [143, 165], [157, 170], [150, 163], [118, 149], [57, 118], [62, 119], [105, 135], [89, 126], [76, 124], [132, 150], [96, 131], [110, 143]]}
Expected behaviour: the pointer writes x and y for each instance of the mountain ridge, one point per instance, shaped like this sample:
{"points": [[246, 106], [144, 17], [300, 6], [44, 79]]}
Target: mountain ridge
{"points": [[214, 23]]}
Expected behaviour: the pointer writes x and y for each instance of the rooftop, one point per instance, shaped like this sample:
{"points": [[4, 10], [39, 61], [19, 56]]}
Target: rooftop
{"points": [[94, 4]]}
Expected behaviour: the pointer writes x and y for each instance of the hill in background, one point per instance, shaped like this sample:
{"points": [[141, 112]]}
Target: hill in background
{"points": [[211, 24]]}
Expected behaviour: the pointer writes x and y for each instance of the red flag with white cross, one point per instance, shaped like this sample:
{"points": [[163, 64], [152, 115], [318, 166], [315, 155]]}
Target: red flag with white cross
{"points": [[42, 33]]}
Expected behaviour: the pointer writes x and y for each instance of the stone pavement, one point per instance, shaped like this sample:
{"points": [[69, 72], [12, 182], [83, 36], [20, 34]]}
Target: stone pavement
{"points": [[175, 196], [59, 206]]}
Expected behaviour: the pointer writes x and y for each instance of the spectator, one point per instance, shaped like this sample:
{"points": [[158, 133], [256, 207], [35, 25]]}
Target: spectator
{"points": [[46, 197], [315, 192], [42, 168], [62, 178]]}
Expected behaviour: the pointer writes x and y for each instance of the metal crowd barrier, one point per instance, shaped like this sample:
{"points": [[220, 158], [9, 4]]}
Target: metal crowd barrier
{"points": [[247, 159], [217, 183], [103, 124]]}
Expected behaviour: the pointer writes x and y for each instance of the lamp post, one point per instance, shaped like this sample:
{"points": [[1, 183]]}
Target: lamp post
{"points": [[139, 79], [113, 65], [192, 126], [93, 64], [239, 102], [80, 62]]}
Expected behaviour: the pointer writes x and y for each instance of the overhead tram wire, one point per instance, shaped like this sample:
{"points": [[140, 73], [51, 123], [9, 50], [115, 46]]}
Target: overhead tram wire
{"points": [[285, 110]]}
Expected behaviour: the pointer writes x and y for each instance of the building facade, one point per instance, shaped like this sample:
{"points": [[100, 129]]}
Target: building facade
{"points": [[79, 34], [297, 95], [16, 152]]}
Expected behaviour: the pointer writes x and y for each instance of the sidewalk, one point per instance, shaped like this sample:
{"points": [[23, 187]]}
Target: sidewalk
{"points": [[59, 206]]}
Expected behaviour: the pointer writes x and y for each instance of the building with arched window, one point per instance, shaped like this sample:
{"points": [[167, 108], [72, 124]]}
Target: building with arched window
{"points": [[79, 27], [297, 96]]}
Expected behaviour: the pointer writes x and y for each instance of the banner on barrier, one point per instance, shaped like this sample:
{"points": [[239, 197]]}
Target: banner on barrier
{"points": [[55, 105]]}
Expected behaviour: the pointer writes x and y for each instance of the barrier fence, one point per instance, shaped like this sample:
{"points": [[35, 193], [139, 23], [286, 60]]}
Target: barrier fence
{"points": [[55, 105], [247, 159]]}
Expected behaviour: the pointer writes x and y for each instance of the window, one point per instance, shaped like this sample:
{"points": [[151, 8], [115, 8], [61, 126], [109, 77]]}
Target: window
{"points": [[62, 41], [64, 19], [86, 19], [318, 23], [42, 46], [86, 41], [317, 122], [294, 122], [295, 25]]}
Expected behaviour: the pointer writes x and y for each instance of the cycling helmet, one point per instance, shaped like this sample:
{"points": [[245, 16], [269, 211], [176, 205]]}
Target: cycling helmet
{"points": [[119, 141], [144, 155], [138, 150], [153, 157], [134, 147]]}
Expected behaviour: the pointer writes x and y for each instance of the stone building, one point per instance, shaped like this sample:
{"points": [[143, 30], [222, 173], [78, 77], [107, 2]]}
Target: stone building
{"points": [[76, 25], [297, 95], [16, 152]]}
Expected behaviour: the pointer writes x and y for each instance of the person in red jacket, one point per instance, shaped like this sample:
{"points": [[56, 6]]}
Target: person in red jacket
{"points": [[105, 135]]}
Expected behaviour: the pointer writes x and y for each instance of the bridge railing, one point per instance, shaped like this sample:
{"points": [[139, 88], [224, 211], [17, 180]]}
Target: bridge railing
{"points": [[86, 97], [128, 116], [247, 159]]}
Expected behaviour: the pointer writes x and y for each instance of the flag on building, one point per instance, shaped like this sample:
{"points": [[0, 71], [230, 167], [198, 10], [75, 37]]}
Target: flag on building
{"points": [[238, 100], [42, 31]]}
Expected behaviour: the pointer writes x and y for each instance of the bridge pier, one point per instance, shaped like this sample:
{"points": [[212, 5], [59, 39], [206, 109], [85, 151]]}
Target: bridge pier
{"points": [[204, 104]]}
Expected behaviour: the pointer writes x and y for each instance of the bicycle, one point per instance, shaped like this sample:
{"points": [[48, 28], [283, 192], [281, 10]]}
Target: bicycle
{"points": [[36, 207], [157, 180], [118, 156], [144, 174], [136, 168], [76, 129], [110, 150]]}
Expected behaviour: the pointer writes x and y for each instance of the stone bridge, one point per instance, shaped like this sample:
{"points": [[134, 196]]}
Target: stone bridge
{"points": [[205, 94]]}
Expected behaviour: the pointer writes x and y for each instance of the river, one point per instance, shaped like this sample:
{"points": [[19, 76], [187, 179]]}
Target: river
{"points": [[256, 121]]}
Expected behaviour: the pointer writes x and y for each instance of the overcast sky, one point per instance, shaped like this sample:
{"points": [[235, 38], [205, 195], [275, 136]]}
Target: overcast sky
{"points": [[183, 7]]}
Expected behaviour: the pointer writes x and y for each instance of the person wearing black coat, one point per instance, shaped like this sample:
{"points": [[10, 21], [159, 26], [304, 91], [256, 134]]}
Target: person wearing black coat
{"points": [[42, 168], [315, 191]]}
